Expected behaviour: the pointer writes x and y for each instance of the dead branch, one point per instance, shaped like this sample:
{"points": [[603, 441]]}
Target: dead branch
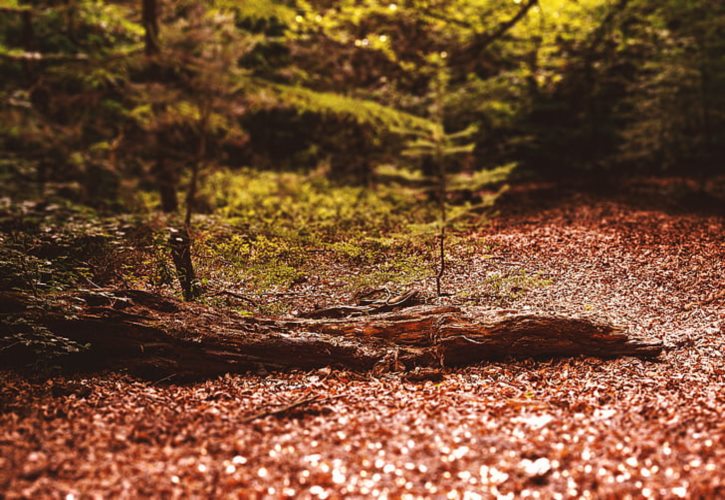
{"points": [[154, 336]]}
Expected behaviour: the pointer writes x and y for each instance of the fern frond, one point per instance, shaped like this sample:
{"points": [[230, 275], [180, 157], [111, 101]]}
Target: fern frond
{"points": [[457, 150], [326, 103], [465, 133], [481, 179]]}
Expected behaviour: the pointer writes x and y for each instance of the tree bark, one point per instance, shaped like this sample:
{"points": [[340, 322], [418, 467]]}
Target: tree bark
{"points": [[28, 36], [166, 181], [150, 17], [153, 336], [180, 243]]}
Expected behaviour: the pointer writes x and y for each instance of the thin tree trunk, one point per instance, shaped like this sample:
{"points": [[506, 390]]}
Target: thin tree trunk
{"points": [[443, 222], [193, 182], [166, 184], [151, 26], [179, 238], [181, 242]]}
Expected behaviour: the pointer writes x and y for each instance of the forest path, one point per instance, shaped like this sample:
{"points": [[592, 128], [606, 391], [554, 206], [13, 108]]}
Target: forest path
{"points": [[566, 426]]}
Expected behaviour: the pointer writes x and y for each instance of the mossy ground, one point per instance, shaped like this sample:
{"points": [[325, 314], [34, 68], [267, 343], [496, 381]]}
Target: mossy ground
{"points": [[266, 236]]}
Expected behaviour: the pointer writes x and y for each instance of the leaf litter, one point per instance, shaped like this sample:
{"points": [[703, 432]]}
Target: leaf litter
{"points": [[578, 427]]}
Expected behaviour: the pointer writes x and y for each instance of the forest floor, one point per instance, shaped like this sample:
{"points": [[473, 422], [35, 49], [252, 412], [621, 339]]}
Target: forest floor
{"points": [[572, 427]]}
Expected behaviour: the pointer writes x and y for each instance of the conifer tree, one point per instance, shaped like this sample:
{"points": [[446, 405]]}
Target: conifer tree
{"points": [[433, 145]]}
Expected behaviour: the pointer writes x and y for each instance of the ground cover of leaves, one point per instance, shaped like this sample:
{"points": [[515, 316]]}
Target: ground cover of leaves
{"points": [[559, 428]]}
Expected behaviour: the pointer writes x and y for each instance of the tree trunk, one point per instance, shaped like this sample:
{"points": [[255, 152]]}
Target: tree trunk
{"points": [[181, 239], [28, 41], [155, 336], [151, 26], [166, 182], [180, 243]]}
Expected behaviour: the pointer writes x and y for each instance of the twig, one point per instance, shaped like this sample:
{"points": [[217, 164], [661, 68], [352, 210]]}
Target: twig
{"points": [[292, 406], [372, 307], [237, 296], [335, 312], [7, 347], [367, 297], [164, 379], [90, 282]]}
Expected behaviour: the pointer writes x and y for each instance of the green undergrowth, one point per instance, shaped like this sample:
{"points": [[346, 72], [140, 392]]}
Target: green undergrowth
{"points": [[56, 245], [259, 233], [271, 231]]}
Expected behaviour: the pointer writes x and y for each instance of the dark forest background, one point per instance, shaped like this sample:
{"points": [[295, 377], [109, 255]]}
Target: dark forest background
{"points": [[127, 90]]}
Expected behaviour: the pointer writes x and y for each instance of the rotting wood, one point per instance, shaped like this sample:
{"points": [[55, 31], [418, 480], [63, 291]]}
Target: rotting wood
{"points": [[153, 336], [366, 306]]}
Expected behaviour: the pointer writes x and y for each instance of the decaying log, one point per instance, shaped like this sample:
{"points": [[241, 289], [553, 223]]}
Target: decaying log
{"points": [[154, 336]]}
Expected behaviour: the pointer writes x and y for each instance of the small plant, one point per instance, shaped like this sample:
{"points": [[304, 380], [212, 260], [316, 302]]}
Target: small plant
{"points": [[437, 149]]}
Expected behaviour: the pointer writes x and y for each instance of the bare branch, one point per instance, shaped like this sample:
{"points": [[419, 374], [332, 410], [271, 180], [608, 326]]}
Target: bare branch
{"points": [[482, 41]]}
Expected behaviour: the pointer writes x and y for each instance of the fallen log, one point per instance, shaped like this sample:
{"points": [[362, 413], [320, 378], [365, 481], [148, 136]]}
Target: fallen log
{"points": [[153, 336]]}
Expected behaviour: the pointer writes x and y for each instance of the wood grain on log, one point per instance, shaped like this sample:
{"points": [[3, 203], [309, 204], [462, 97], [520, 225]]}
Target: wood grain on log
{"points": [[153, 335]]}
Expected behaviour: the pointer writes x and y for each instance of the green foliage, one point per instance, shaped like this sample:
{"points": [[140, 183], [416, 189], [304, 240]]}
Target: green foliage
{"points": [[437, 144], [674, 110], [433, 101], [480, 179], [24, 342], [50, 257], [260, 9], [263, 262], [400, 269], [56, 246], [586, 84], [271, 225], [363, 111], [443, 150], [270, 202], [271, 275]]}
